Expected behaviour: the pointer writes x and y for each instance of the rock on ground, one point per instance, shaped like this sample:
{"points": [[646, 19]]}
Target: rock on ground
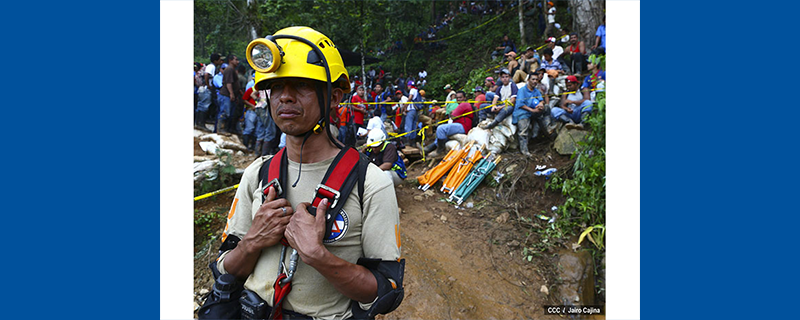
{"points": [[576, 269], [567, 140]]}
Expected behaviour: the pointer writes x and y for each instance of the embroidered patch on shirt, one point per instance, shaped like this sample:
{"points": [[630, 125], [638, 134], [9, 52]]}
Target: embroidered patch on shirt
{"points": [[339, 228]]}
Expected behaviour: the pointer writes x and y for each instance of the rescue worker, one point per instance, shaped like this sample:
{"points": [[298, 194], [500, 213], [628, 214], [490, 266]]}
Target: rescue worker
{"points": [[352, 271], [384, 154]]}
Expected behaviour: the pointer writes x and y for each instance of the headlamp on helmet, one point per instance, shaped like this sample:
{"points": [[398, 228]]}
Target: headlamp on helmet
{"points": [[264, 55]]}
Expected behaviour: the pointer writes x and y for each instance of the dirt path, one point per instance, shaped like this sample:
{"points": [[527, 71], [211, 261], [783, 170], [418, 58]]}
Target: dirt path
{"points": [[458, 264]]}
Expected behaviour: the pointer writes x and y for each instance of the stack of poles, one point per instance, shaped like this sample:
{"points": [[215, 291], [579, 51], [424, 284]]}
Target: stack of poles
{"points": [[433, 175], [478, 173], [459, 173]]}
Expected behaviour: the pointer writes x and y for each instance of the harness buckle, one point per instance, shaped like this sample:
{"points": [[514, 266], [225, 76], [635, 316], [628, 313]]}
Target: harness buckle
{"points": [[334, 194], [277, 184]]}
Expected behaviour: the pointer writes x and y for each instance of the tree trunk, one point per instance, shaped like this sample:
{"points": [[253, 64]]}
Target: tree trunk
{"points": [[253, 33], [433, 12], [522, 40], [363, 38], [587, 16]]}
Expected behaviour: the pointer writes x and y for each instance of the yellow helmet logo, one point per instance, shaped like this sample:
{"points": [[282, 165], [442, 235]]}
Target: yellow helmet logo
{"points": [[288, 56]]}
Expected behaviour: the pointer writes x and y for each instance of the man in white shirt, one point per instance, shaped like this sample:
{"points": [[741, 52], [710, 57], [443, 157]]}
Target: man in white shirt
{"points": [[552, 43], [206, 93], [506, 92], [376, 123], [551, 19]]}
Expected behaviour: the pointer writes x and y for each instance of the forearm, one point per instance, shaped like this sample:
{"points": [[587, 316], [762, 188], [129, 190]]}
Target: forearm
{"points": [[354, 281], [241, 261], [230, 89], [386, 166]]}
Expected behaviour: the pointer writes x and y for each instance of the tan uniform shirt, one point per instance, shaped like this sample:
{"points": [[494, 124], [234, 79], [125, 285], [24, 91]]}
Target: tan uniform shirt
{"points": [[372, 232]]}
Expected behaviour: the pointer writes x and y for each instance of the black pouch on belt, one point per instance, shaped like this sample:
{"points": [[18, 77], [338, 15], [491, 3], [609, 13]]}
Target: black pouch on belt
{"points": [[223, 301], [253, 307]]}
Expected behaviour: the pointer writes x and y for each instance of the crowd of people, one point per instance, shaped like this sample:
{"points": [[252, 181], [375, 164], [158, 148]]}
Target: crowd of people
{"points": [[540, 89]]}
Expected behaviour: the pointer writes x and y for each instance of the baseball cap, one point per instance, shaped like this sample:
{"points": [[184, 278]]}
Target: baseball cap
{"points": [[593, 59], [504, 70], [447, 87], [572, 79], [478, 89], [398, 91], [551, 39], [224, 65]]}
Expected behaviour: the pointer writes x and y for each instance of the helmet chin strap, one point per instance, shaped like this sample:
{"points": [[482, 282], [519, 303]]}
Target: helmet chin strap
{"points": [[318, 128], [300, 168]]}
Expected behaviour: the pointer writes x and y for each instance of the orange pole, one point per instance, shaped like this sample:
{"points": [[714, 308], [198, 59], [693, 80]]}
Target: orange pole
{"points": [[425, 177], [454, 172], [447, 163], [463, 173]]}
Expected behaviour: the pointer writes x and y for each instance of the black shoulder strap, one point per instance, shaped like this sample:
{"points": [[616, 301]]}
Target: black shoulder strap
{"points": [[363, 163], [275, 175]]}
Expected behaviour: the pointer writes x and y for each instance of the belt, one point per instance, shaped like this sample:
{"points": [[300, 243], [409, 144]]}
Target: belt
{"points": [[290, 315]]}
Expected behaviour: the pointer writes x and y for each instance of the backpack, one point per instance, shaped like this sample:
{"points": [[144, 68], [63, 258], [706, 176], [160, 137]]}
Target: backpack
{"points": [[217, 80], [475, 118], [400, 166]]}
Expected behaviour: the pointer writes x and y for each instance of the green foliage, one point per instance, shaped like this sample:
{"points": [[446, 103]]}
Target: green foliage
{"points": [[205, 219], [585, 186], [206, 222], [221, 176], [599, 232]]}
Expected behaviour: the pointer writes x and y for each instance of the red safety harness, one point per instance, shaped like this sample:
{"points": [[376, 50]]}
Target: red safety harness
{"points": [[339, 180]]}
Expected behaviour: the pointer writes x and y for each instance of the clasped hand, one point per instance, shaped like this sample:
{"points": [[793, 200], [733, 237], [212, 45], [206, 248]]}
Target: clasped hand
{"points": [[276, 219]]}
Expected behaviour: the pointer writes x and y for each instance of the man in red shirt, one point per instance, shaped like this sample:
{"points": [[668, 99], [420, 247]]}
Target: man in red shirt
{"points": [[249, 120], [480, 96], [360, 109], [460, 124]]}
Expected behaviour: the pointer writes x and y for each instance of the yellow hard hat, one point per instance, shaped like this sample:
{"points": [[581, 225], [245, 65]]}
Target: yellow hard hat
{"points": [[285, 54]]}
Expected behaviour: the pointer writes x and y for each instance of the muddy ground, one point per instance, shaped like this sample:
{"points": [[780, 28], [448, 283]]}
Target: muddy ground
{"points": [[461, 263]]}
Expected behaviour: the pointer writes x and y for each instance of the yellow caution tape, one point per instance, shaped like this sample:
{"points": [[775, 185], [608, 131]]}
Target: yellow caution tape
{"points": [[398, 135], [216, 192], [506, 62], [465, 31]]}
